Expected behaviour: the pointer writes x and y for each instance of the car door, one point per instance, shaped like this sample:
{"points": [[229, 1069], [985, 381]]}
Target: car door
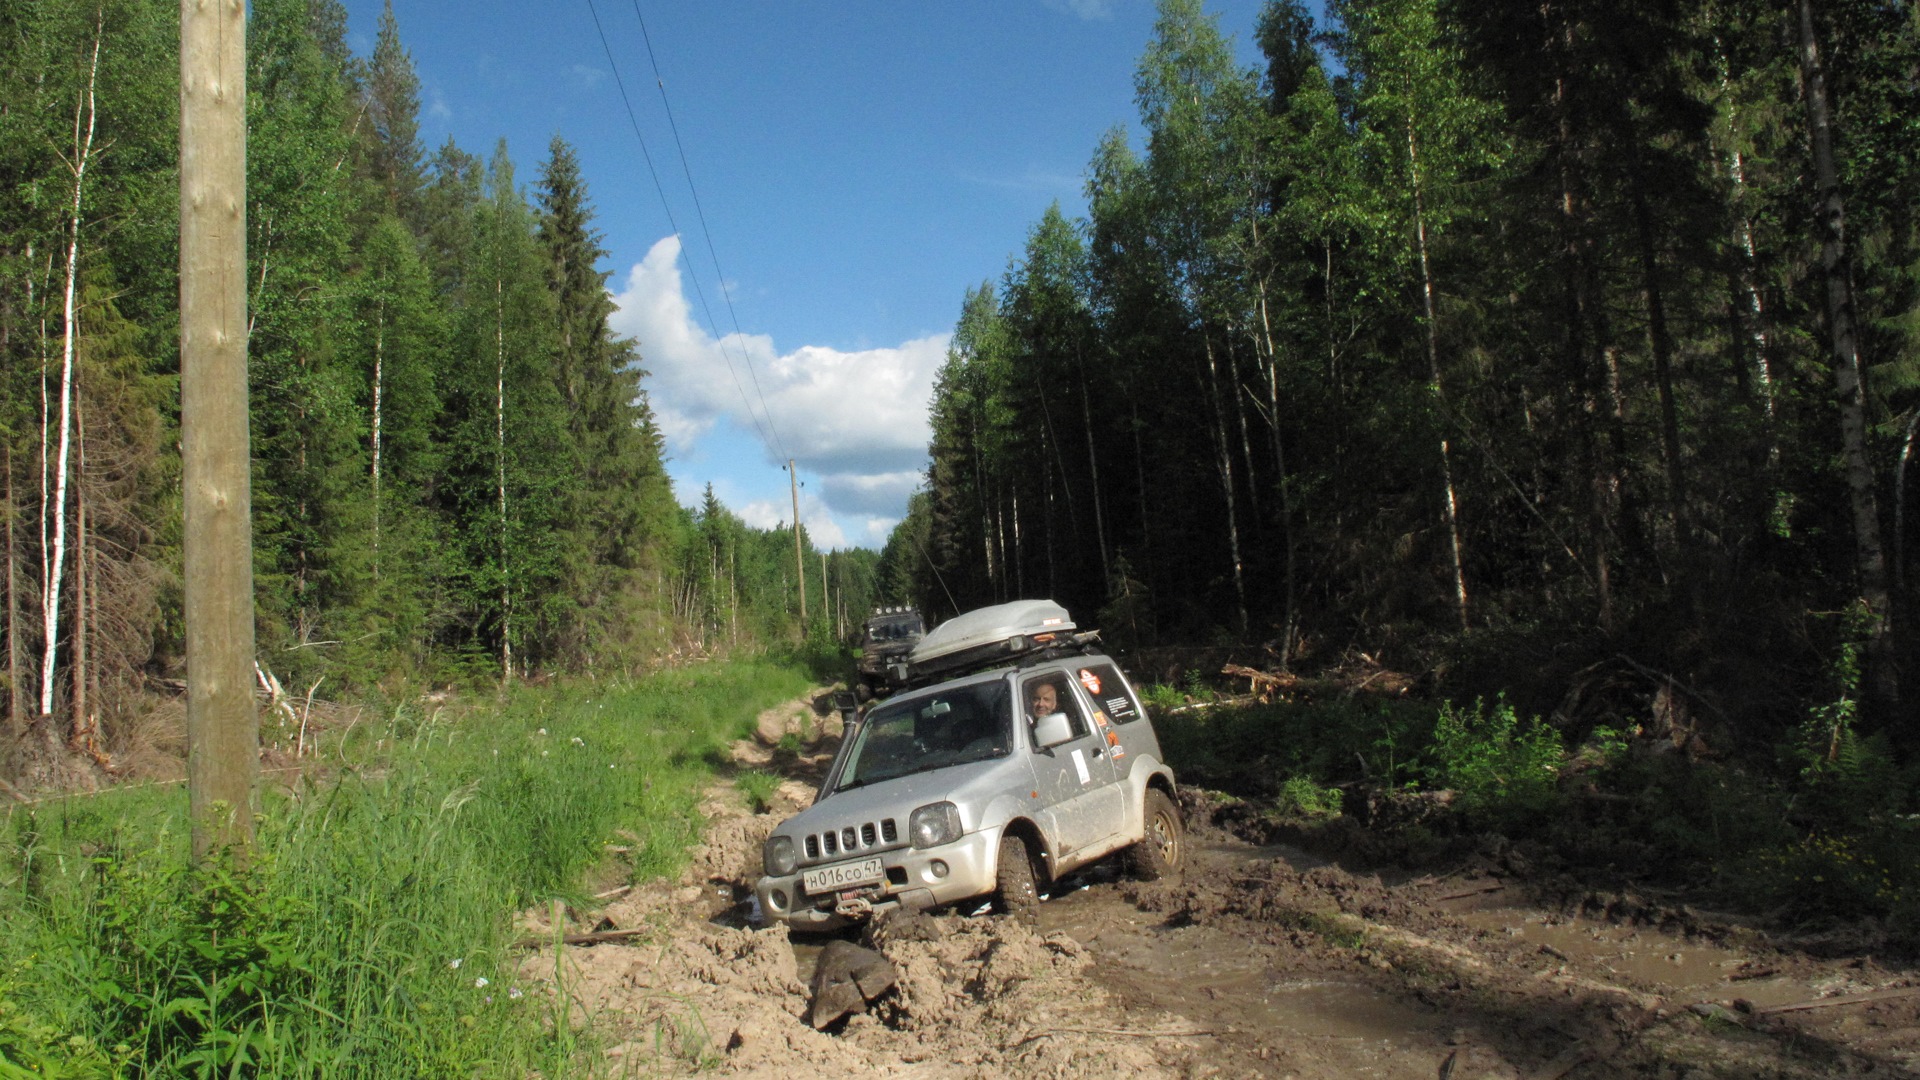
{"points": [[1080, 801]]}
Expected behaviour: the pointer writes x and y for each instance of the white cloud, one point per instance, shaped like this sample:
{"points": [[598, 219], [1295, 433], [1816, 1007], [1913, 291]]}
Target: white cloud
{"points": [[1089, 10], [586, 76], [857, 420], [872, 493], [822, 531]]}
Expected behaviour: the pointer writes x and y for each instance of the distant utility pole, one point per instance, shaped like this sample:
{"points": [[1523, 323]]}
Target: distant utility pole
{"points": [[799, 560], [223, 738]]}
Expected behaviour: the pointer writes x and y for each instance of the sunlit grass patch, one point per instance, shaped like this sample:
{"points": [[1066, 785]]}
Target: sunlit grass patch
{"points": [[370, 936]]}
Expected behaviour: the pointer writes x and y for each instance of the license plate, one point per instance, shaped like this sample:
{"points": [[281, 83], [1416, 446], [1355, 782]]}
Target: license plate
{"points": [[826, 879]]}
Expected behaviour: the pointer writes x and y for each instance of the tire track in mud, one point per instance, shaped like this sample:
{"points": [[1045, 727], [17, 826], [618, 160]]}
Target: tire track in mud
{"points": [[1259, 961]]}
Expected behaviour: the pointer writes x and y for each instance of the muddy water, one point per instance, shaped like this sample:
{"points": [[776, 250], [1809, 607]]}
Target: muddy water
{"points": [[1244, 991], [1681, 969]]}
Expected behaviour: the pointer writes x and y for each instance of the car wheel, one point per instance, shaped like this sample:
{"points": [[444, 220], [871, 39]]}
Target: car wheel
{"points": [[1160, 853], [1014, 891]]}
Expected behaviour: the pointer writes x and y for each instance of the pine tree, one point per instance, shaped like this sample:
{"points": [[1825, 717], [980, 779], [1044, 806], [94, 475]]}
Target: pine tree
{"points": [[512, 479], [390, 139], [623, 500]]}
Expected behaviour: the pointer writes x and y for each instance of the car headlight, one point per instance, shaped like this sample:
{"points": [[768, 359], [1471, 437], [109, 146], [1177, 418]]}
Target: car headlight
{"points": [[931, 826], [778, 856]]}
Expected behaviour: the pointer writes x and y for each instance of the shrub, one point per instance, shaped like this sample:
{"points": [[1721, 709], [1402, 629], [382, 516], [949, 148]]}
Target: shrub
{"points": [[1502, 769], [1302, 797]]}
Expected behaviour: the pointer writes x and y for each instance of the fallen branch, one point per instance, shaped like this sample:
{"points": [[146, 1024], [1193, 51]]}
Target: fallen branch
{"points": [[1264, 684], [1845, 999], [1193, 706], [1471, 892], [1141, 1033], [581, 939]]}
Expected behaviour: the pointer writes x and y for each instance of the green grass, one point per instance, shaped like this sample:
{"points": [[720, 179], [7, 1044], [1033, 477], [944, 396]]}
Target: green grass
{"points": [[371, 935], [757, 788]]}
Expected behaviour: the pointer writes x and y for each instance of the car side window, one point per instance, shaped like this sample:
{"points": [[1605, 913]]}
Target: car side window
{"points": [[1044, 694], [1109, 693]]}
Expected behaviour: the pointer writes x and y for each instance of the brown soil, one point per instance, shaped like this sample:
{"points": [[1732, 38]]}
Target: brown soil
{"points": [[1259, 961]]}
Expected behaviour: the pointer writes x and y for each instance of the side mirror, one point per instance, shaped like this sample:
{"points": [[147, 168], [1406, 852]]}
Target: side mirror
{"points": [[1051, 730], [845, 702]]}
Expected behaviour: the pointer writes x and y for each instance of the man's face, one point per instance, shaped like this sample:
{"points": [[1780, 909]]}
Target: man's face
{"points": [[1044, 701]]}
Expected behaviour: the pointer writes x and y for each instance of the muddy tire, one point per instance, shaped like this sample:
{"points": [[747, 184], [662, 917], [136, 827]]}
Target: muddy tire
{"points": [[1162, 852], [1015, 892]]}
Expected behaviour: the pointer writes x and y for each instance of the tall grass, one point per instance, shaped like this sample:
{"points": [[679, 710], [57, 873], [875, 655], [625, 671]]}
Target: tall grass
{"points": [[371, 935]]}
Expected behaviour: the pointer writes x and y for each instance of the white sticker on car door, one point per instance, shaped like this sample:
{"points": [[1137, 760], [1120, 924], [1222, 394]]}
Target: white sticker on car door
{"points": [[1080, 766]]}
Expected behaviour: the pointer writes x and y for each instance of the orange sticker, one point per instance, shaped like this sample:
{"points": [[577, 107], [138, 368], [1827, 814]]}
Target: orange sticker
{"points": [[1089, 680]]}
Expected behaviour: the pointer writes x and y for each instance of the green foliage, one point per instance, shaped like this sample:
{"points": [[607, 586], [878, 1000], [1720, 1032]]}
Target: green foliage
{"points": [[1501, 768], [757, 788], [32, 1047], [1832, 880], [1301, 797], [194, 963], [371, 936]]}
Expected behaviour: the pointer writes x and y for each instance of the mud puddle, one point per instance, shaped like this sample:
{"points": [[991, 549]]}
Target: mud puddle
{"points": [[1269, 1009], [1687, 969]]}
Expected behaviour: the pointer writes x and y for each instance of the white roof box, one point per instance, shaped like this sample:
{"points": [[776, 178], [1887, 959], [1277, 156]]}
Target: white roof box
{"points": [[987, 632]]}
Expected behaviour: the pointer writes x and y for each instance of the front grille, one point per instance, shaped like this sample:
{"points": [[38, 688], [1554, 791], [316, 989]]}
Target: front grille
{"points": [[850, 839]]}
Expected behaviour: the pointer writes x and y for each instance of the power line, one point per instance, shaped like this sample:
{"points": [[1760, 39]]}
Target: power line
{"points": [[701, 213], [770, 443]]}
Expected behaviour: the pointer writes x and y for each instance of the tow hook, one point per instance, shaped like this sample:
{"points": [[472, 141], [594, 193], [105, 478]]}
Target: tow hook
{"points": [[853, 907]]}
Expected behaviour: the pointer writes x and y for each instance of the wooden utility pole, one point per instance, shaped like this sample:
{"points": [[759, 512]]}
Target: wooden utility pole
{"points": [[799, 559], [223, 738]]}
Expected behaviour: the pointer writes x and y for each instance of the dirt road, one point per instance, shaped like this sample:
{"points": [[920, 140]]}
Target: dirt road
{"points": [[1259, 961]]}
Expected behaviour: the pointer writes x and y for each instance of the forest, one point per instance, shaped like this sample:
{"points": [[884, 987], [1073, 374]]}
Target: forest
{"points": [[456, 475], [1564, 349]]}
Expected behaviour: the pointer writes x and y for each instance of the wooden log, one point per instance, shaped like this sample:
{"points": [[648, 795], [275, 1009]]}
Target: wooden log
{"points": [[1844, 999]]}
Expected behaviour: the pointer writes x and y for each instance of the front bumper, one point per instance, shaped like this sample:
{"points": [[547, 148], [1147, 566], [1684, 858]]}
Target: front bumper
{"points": [[914, 880]]}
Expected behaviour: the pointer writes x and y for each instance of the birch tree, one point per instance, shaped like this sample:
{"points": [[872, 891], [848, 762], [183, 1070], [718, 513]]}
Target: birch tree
{"points": [[85, 117]]}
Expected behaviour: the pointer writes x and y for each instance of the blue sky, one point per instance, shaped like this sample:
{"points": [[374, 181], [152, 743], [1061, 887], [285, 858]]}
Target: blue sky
{"points": [[859, 166]]}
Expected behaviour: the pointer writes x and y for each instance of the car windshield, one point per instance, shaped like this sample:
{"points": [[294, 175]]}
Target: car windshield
{"points": [[950, 727], [894, 629]]}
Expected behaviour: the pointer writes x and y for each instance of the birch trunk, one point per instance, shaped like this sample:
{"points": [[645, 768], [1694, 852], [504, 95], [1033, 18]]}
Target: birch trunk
{"points": [[78, 723], [16, 692], [500, 471], [1223, 447], [1019, 552], [1452, 500], [1870, 556], [1093, 469], [1900, 502], [379, 361], [1246, 437], [50, 601], [1286, 485]]}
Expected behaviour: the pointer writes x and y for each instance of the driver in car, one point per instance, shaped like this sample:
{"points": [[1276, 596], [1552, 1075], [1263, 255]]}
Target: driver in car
{"points": [[1043, 700]]}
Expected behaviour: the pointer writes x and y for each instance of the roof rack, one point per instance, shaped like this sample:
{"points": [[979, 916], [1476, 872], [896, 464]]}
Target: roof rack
{"points": [[1021, 632]]}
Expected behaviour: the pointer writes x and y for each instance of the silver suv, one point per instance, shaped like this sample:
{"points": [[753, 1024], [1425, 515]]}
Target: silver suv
{"points": [[987, 784]]}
